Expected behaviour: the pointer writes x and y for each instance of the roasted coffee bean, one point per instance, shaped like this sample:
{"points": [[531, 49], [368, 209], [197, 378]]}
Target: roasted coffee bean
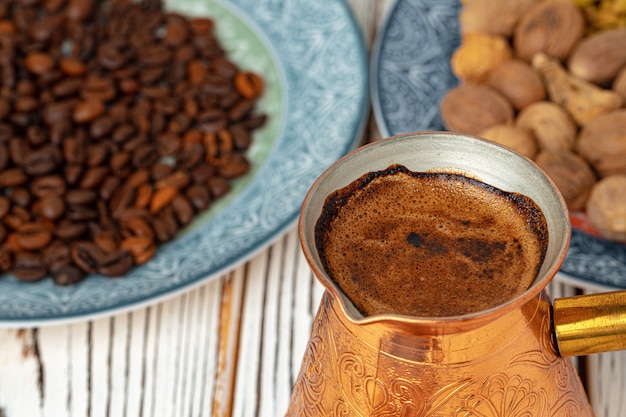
{"points": [[108, 187], [178, 179], [98, 153], [183, 209], [18, 150], [73, 172], [68, 275], [160, 170], [36, 135], [202, 173], [249, 85], [67, 87], [105, 241], [110, 57], [140, 247], [199, 196], [122, 199], [145, 155], [240, 110], [87, 256], [218, 186], [137, 178], [32, 236], [163, 229], [39, 63], [80, 212], [81, 196], [234, 165], [136, 226], [72, 66], [51, 206], [102, 126], [74, 150], [87, 111], [42, 161], [69, 230], [123, 132], [56, 255], [28, 266], [93, 177], [25, 104], [144, 196], [241, 137], [116, 263], [20, 196], [12, 177], [161, 198]]}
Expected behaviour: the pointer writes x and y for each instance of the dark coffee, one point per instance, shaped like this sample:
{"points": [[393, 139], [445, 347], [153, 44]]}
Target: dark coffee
{"points": [[429, 244]]}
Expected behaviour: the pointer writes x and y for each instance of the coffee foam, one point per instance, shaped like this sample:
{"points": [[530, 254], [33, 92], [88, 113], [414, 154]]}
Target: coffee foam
{"points": [[424, 244]]}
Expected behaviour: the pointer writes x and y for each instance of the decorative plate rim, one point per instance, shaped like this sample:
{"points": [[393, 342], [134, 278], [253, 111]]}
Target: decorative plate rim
{"points": [[588, 254]]}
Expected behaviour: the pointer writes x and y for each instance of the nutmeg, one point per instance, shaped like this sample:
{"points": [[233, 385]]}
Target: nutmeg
{"points": [[606, 207], [571, 173], [552, 26], [470, 109], [603, 143], [519, 82]]}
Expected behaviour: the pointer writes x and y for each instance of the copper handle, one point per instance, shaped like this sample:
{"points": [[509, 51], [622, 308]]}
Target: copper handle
{"points": [[589, 324]]}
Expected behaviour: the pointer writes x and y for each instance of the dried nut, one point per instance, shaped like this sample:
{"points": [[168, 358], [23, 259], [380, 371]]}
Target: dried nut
{"points": [[553, 27], [495, 17], [599, 57], [514, 137], [519, 82], [471, 109], [603, 143], [571, 173], [552, 126], [478, 55], [582, 99], [606, 207]]}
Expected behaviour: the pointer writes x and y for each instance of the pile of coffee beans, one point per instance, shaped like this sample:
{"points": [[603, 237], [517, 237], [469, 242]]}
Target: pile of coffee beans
{"points": [[119, 122]]}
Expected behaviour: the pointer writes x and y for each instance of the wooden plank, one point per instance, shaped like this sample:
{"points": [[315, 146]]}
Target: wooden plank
{"points": [[118, 371], [99, 381], [54, 356], [19, 377], [79, 369], [246, 399], [228, 342], [137, 333]]}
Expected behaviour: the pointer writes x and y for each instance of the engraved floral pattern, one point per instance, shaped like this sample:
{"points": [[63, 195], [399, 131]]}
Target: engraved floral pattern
{"points": [[504, 396], [335, 381]]}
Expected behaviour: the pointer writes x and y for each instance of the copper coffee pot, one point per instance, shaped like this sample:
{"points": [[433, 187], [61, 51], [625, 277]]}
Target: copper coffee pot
{"points": [[508, 361]]}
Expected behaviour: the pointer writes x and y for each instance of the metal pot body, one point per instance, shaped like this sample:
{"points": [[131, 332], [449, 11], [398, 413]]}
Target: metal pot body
{"points": [[507, 367], [501, 362]]}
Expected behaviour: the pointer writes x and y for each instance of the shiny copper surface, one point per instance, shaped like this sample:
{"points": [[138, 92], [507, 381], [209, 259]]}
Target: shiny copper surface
{"points": [[501, 362]]}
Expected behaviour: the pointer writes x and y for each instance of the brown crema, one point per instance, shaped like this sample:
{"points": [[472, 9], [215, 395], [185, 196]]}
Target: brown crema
{"points": [[429, 244]]}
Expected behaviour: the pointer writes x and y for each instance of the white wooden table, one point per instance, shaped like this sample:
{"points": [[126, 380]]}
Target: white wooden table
{"points": [[231, 347]]}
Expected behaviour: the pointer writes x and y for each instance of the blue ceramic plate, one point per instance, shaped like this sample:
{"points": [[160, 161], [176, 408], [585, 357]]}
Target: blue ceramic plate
{"points": [[315, 66], [410, 74]]}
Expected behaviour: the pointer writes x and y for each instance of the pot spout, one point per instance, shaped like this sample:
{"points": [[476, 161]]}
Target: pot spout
{"points": [[589, 324]]}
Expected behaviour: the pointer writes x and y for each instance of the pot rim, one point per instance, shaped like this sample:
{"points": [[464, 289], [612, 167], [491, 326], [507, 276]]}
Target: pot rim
{"points": [[449, 322]]}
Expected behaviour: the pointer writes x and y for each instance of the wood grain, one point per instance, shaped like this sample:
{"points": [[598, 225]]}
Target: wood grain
{"points": [[231, 347]]}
